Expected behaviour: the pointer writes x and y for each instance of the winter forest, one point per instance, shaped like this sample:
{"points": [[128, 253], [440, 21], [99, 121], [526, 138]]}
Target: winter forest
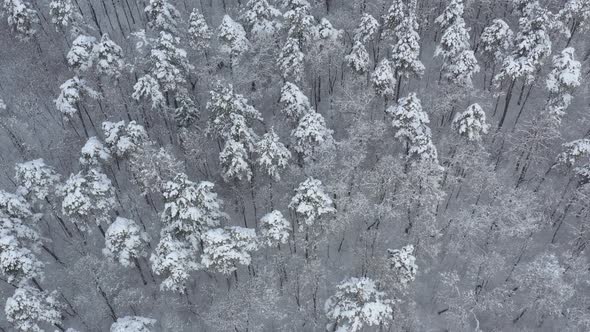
{"points": [[294, 165]]}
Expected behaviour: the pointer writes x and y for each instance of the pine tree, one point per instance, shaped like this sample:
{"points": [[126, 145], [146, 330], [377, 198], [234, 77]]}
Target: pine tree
{"points": [[28, 309], [162, 15], [300, 22], [235, 161], [405, 54], [233, 39], [290, 61], [148, 87], [411, 125], [451, 14], [125, 242], [496, 40], [383, 79], [576, 155], [35, 179], [357, 303], [576, 14], [170, 65], [133, 324], [394, 17], [21, 18], [311, 133], [124, 140], [93, 153], [471, 124], [358, 59], [311, 202], [62, 13], [273, 156], [71, 94], [563, 79], [274, 229], [367, 29], [223, 103], [295, 103], [403, 264], [18, 263], [226, 248], [81, 55], [260, 17], [198, 30], [186, 113], [109, 57]]}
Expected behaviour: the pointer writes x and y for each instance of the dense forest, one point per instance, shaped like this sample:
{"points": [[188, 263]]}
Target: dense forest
{"points": [[294, 165]]}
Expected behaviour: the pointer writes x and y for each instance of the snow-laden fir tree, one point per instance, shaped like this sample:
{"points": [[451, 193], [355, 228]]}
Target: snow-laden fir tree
{"points": [[162, 15], [223, 103], [393, 17], [311, 134], [21, 18], [299, 21], [290, 61], [18, 239], [123, 140], [234, 160], [62, 13], [561, 82], [367, 28], [226, 248], [356, 304], [496, 40], [190, 209], [87, 195], [81, 55], [14, 206], [295, 103], [410, 123], [326, 33], [35, 179], [261, 19], [402, 262], [311, 202], [233, 39], [274, 229], [186, 113], [125, 242], [147, 87], [133, 324], [198, 30], [576, 156], [405, 53], [272, 155], [109, 57], [30, 310], [169, 63], [71, 93], [471, 124], [383, 79], [358, 59], [459, 62], [93, 153], [576, 15]]}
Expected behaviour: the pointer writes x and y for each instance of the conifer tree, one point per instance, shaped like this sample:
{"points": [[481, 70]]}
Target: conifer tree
{"points": [[311, 202], [226, 248], [28, 309], [199, 31], [471, 124]]}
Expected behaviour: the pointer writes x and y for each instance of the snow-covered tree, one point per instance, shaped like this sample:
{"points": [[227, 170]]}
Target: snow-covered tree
{"points": [[148, 87], [403, 264], [14, 206], [274, 229], [125, 242], [295, 102], [28, 309], [471, 124], [226, 248], [81, 55], [261, 18], [198, 30], [459, 62], [176, 260], [133, 324], [186, 113], [366, 29], [170, 65], [405, 54], [235, 161], [358, 303], [21, 18], [61, 12], [109, 57], [17, 262], [496, 40], [576, 14], [576, 155], [410, 123], [88, 194], [223, 103], [162, 15], [233, 39], [358, 59], [123, 140], [273, 156], [393, 17], [383, 79], [290, 61], [311, 133], [93, 153], [563, 79], [72, 92], [310, 202], [299, 21], [36, 179]]}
